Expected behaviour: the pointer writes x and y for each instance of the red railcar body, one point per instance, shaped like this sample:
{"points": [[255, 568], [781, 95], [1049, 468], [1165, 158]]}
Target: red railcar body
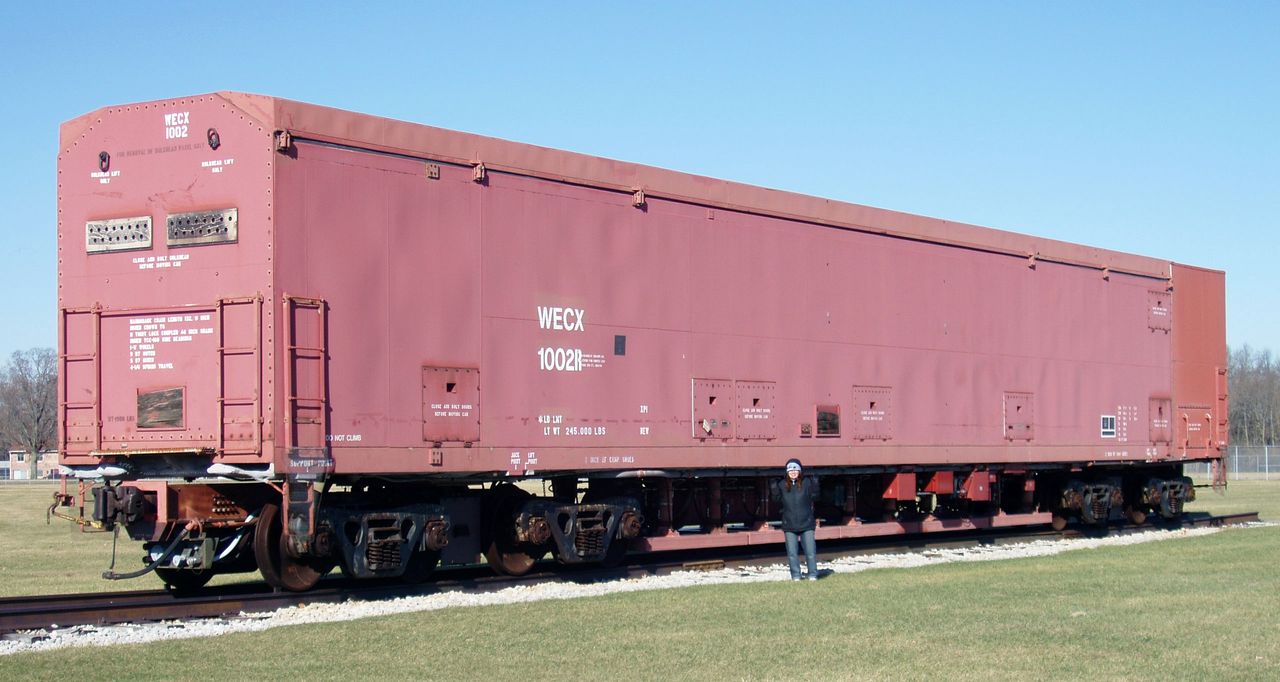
{"points": [[259, 290]]}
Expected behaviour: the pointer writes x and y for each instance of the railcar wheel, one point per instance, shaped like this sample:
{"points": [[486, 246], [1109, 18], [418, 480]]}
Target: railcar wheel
{"points": [[506, 555], [1136, 515], [278, 568], [1058, 522], [184, 581]]}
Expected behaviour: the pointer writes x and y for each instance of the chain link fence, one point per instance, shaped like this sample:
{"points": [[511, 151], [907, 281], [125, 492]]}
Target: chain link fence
{"points": [[1257, 462]]}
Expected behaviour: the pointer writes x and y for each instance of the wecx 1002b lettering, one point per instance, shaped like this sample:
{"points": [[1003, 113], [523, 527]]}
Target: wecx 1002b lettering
{"points": [[368, 333]]}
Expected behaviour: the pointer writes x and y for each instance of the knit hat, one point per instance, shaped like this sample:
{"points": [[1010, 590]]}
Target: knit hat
{"points": [[793, 464]]}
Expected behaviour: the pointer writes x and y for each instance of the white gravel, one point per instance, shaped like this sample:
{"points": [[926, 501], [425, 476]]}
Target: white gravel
{"points": [[81, 636]]}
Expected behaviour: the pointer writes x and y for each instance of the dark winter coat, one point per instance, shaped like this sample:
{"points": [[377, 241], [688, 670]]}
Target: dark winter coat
{"points": [[797, 503]]}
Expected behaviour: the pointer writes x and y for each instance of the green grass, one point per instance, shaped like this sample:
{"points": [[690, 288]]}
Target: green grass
{"points": [[36, 558], [1200, 608], [1241, 496]]}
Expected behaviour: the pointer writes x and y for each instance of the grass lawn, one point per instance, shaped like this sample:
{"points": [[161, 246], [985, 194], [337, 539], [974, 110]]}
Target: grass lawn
{"points": [[36, 558], [1202, 608]]}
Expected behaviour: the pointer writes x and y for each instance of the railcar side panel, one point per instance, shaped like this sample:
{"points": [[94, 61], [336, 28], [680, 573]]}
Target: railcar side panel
{"points": [[396, 259], [583, 322], [588, 321]]}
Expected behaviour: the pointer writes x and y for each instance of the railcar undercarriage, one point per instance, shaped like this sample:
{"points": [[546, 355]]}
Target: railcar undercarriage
{"points": [[296, 531]]}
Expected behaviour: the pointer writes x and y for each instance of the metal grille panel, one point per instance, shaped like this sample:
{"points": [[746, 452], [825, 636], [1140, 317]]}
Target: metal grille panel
{"points": [[202, 227], [118, 234]]}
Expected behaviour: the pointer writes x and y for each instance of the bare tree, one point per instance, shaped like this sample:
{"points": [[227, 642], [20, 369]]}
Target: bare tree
{"points": [[29, 402]]}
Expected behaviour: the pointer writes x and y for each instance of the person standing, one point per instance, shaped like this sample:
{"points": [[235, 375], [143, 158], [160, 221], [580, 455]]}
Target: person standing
{"points": [[797, 493]]}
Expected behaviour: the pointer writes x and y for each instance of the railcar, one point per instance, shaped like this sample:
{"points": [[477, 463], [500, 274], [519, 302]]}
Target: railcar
{"points": [[293, 338]]}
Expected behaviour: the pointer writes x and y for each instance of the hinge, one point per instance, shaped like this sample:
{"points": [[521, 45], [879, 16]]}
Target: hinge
{"points": [[637, 199], [478, 172], [283, 140], [433, 171]]}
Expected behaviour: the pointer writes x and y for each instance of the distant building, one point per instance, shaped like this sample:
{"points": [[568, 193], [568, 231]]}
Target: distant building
{"points": [[14, 466]]}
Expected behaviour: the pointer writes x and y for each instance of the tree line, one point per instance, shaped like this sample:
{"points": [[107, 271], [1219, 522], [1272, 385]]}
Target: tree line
{"points": [[29, 400], [1253, 378]]}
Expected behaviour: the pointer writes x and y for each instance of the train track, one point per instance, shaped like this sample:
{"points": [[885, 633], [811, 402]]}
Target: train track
{"points": [[47, 612]]}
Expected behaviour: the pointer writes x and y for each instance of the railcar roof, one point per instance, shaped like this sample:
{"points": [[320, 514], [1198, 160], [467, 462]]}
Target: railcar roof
{"points": [[337, 126]]}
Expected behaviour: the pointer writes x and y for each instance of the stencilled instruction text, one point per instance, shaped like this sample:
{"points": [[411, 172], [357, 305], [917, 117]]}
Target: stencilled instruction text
{"points": [[149, 336], [160, 262], [451, 409]]}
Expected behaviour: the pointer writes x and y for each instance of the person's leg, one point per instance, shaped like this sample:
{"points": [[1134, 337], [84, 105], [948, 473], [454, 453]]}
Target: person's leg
{"points": [[793, 561], [810, 553]]}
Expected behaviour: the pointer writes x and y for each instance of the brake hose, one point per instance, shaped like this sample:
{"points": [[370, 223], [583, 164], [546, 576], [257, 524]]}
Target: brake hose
{"points": [[164, 556]]}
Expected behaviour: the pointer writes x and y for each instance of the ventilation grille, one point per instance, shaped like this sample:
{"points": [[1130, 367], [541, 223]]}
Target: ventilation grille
{"points": [[119, 234], [202, 227]]}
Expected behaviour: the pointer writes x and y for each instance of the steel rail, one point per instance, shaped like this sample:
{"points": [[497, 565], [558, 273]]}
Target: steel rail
{"points": [[45, 612]]}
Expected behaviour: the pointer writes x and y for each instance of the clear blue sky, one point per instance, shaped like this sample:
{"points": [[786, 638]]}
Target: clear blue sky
{"points": [[1143, 127]]}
